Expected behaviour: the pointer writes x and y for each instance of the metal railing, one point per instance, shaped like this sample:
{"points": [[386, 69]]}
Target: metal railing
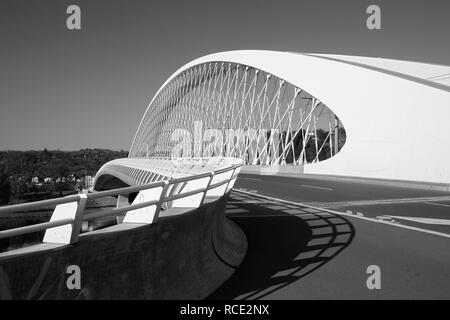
{"points": [[134, 171], [69, 213]]}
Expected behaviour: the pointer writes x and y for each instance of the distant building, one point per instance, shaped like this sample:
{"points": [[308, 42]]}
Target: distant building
{"points": [[88, 181], [91, 188]]}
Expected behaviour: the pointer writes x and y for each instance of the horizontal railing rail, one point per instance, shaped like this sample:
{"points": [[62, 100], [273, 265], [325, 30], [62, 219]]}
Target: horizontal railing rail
{"points": [[116, 211], [34, 228], [128, 190], [188, 191], [37, 204], [218, 184]]}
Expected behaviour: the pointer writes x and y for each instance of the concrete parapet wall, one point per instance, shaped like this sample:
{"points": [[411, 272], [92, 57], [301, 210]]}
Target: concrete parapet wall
{"points": [[185, 256]]}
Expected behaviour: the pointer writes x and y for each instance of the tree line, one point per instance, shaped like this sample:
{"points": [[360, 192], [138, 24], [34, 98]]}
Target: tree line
{"points": [[17, 168]]}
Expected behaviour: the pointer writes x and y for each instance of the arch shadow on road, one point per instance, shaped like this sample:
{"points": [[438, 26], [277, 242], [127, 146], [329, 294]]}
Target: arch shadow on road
{"points": [[286, 242]]}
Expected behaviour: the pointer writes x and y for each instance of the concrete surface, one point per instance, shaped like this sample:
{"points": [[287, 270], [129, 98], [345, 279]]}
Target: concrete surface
{"points": [[180, 257]]}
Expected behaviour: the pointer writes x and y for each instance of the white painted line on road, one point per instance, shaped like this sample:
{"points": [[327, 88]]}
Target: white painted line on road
{"points": [[315, 187], [247, 202], [442, 222], [387, 218], [438, 204], [384, 201], [384, 217], [394, 224]]}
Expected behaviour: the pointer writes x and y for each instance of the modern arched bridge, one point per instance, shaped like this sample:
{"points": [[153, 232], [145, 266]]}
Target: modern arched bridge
{"points": [[262, 174]]}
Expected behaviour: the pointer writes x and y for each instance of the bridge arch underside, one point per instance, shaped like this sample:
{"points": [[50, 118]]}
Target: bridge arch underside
{"points": [[235, 110], [109, 182]]}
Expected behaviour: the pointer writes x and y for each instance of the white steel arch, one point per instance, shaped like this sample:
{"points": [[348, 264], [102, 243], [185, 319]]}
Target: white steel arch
{"points": [[395, 121], [235, 110]]}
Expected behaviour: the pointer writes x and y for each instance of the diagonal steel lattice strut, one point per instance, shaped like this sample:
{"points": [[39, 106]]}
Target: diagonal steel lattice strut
{"points": [[228, 109]]}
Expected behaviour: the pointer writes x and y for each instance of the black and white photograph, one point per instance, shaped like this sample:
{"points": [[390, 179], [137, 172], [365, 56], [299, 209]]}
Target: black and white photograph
{"points": [[225, 155]]}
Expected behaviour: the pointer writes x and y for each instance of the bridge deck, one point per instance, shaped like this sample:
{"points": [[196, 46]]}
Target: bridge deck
{"points": [[296, 252]]}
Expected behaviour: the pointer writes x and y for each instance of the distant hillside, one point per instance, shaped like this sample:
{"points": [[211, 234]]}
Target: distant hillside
{"points": [[17, 168], [54, 163]]}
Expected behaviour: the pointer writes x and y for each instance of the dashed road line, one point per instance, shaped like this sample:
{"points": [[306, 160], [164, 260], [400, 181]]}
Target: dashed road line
{"points": [[316, 187]]}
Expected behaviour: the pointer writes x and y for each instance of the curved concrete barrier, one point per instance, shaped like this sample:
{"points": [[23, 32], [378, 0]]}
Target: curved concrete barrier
{"points": [[185, 256]]}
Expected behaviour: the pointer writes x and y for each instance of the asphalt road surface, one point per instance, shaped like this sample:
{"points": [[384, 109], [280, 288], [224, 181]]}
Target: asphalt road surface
{"points": [[314, 239], [419, 208]]}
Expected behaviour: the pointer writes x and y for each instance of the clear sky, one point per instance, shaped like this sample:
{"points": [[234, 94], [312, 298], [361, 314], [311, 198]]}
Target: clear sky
{"points": [[67, 90]]}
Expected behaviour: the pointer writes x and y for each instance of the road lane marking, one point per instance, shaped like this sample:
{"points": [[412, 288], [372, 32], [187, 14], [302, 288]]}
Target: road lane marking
{"points": [[382, 201], [384, 217], [438, 204], [387, 218], [390, 223], [434, 221], [315, 187]]}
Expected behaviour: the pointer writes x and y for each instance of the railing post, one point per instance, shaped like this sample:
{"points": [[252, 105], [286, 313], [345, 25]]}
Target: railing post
{"points": [[145, 215], [231, 178], [122, 201], [78, 219], [211, 177], [161, 198], [69, 233]]}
